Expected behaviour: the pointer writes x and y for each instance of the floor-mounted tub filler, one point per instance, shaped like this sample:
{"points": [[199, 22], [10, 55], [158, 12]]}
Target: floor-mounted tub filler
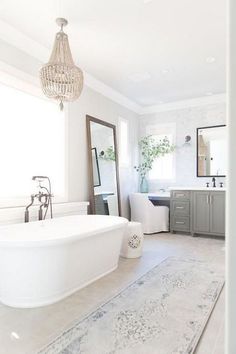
{"points": [[43, 262]]}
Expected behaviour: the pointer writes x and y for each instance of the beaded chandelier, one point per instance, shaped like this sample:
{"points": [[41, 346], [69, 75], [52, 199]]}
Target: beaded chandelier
{"points": [[60, 78]]}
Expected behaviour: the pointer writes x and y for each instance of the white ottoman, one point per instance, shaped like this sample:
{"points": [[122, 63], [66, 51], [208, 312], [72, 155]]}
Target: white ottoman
{"points": [[133, 241]]}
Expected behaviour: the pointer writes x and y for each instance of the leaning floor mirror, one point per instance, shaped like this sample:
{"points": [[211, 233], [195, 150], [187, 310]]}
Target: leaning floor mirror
{"points": [[103, 167]]}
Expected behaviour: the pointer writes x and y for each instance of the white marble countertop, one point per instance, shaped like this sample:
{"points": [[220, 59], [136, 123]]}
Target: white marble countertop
{"points": [[217, 189], [165, 194]]}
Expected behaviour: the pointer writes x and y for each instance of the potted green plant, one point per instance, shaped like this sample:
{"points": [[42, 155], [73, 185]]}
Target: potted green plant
{"points": [[150, 149]]}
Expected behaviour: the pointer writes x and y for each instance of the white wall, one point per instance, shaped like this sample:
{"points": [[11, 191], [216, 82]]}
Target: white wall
{"points": [[96, 105], [186, 120], [92, 103]]}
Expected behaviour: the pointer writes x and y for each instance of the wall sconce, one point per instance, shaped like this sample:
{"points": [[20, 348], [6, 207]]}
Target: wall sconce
{"points": [[187, 140]]}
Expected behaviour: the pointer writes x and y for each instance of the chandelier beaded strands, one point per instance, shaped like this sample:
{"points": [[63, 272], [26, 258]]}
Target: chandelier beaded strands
{"points": [[60, 78]]}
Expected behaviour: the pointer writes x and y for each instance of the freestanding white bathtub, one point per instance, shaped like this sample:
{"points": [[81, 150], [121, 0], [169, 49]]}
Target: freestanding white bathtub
{"points": [[45, 261]]}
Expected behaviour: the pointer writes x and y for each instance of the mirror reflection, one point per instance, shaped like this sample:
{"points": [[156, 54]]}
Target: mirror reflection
{"points": [[102, 151], [211, 151]]}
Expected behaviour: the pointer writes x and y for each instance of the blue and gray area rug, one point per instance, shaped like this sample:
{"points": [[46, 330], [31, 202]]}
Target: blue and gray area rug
{"points": [[163, 312]]}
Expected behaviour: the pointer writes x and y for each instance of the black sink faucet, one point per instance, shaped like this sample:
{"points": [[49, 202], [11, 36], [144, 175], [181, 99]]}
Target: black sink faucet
{"points": [[213, 182]]}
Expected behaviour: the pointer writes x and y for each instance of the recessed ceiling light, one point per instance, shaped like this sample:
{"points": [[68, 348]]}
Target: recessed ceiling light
{"points": [[210, 60], [147, 1], [209, 93], [15, 335], [165, 71], [139, 77], [160, 102]]}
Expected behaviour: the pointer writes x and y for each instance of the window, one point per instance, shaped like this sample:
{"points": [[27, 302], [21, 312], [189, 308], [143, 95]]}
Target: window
{"points": [[164, 166], [124, 142], [32, 142]]}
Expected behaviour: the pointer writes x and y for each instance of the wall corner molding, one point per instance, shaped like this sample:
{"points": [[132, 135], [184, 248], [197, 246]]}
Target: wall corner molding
{"points": [[189, 103], [107, 91], [15, 38]]}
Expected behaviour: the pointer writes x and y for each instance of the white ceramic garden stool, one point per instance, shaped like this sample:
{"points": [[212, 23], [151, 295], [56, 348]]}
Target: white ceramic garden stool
{"points": [[132, 245]]}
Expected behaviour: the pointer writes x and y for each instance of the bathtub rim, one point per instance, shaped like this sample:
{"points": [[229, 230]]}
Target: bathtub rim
{"points": [[9, 243]]}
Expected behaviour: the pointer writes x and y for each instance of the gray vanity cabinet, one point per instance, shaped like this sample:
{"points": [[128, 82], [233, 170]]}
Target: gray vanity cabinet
{"points": [[180, 211], [209, 212], [217, 213], [201, 212], [198, 212]]}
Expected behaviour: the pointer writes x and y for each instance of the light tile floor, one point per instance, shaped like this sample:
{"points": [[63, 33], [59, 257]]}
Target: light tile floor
{"points": [[25, 331]]}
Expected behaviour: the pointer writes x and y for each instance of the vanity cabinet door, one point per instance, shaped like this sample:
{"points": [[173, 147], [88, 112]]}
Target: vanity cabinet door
{"points": [[217, 213], [201, 212]]}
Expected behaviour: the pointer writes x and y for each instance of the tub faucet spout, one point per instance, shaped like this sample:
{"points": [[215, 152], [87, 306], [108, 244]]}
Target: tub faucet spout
{"points": [[27, 208]]}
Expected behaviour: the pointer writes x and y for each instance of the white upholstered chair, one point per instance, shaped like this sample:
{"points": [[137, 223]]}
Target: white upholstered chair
{"points": [[153, 218]]}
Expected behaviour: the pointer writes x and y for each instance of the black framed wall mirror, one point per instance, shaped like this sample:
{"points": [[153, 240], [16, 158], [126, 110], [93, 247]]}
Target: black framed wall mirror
{"points": [[211, 151], [103, 167]]}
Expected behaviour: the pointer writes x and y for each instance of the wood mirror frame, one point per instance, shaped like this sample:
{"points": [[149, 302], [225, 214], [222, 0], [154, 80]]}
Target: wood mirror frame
{"points": [[90, 119]]}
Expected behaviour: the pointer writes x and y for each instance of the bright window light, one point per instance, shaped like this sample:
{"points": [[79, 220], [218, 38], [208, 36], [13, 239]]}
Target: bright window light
{"points": [[124, 142], [32, 142], [163, 167]]}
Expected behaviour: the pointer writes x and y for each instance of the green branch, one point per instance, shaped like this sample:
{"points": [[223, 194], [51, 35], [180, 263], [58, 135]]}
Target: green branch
{"points": [[108, 154], [150, 150]]}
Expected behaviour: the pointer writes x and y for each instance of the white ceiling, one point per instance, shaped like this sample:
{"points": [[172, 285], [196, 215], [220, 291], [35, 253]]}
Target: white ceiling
{"points": [[150, 51]]}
